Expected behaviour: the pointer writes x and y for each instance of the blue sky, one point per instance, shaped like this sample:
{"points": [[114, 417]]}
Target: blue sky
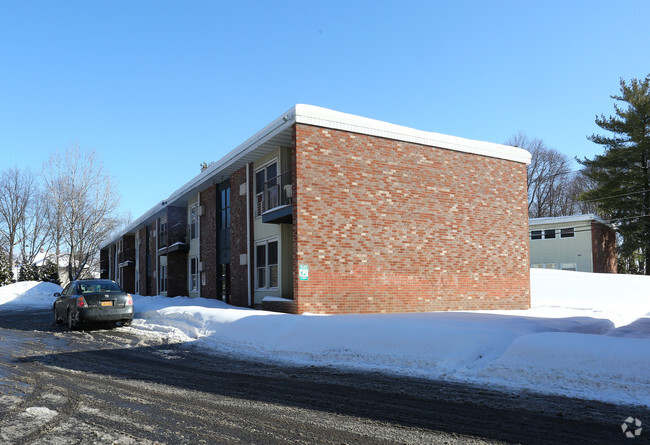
{"points": [[157, 87]]}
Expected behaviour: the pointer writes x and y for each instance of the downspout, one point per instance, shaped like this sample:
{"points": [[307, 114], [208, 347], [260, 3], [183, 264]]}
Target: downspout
{"points": [[248, 235]]}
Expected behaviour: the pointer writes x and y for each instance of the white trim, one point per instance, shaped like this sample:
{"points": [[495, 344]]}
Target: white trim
{"points": [[265, 242], [323, 117], [565, 219]]}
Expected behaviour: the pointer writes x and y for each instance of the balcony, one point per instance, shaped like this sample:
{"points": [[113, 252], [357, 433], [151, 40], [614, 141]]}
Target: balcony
{"points": [[174, 240], [275, 202]]}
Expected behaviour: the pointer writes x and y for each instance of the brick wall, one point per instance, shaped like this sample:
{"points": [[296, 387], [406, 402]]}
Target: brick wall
{"points": [[152, 279], [603, 246], [208, 237], [389, 226], [142, 261], [111, 258], [128, 254], [103, 263], [238, 238]]}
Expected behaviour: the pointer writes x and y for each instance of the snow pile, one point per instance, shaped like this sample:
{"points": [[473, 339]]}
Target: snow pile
{"points": [[587, 336], [28, 294]]}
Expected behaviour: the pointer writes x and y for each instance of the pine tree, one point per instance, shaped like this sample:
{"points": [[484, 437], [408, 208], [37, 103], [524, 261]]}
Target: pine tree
{"points": [[50, 273], [28, 272], [622, 174], [6, 274]]}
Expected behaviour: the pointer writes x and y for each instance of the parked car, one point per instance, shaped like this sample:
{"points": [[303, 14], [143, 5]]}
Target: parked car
{"points": [[87, 301]]}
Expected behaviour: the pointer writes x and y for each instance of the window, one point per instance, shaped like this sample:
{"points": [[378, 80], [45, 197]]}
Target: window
{"points": [[162, 233], [224, 209], [194, 221], [194, 274], [266, 264], [536, 234], [162, 278], [568, 266], [266, 188], [567, 233], [549, 233]]}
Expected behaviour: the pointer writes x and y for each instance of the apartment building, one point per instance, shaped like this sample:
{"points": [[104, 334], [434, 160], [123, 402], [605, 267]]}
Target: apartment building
{"points": [[327, 212]]}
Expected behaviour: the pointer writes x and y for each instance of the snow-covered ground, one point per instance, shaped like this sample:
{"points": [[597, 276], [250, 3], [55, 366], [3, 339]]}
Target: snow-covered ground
{"points": [[587, 336]]}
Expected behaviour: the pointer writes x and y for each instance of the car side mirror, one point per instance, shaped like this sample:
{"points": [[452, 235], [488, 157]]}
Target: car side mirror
{"points": [[57, 294]]}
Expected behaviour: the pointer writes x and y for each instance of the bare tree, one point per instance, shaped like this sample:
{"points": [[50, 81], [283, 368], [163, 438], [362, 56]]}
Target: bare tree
{"points": [[85, 200], [553, 188], [35, 228], [17, 190]]}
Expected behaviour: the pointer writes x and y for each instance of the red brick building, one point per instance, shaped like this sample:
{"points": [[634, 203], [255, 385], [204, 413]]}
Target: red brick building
{"points": [[327, 212]]}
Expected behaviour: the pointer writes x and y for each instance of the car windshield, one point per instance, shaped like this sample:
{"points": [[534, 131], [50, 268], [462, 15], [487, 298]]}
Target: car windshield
{"points": [[95, 287]]}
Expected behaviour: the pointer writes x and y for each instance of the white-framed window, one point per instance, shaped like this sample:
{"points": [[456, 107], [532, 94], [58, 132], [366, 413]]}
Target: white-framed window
{"points": [[568, 232], [266, 264], [162, 278], [266, 183], [194, 274], [568, 266], [194, 221], [542, 234]]}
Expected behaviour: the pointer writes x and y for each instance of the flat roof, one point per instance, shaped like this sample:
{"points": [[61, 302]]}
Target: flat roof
{"points": [[279, 133], [566, 219]]}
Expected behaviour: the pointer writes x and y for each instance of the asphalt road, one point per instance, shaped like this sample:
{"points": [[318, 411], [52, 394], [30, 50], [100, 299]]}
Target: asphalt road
{"points": [[121, 386]]}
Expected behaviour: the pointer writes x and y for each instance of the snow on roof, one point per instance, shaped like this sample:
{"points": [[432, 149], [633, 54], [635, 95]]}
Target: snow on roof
{"points": [[279, 133], [566, 219], [322, 117]]}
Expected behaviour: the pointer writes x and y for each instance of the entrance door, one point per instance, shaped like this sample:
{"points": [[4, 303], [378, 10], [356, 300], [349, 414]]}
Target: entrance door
{"points": [[223, 242]]}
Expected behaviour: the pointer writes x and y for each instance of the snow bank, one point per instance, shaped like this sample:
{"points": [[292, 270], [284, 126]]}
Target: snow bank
{"points": [[576, 365], [619, 298], [28, 294], [587, 335]]}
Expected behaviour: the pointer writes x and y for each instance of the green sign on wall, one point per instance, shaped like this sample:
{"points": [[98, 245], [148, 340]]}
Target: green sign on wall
{"points": [[303, 272]]}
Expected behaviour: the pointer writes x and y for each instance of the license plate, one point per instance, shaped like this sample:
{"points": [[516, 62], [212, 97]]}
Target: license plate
{"points": [[106, 303]]}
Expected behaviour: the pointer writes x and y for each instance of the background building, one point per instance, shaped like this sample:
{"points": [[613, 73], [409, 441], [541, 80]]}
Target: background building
{"points": [[582, 242]]}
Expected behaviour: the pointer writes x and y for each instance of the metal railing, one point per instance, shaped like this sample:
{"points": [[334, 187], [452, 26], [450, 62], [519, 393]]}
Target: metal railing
{"points": [[277, 192]]}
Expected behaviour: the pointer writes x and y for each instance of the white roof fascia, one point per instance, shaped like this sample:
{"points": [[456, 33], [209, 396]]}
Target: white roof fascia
{"points": [[323, 117], [565, 219]]}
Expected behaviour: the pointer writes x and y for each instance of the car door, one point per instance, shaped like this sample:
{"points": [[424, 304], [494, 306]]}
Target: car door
{"points": [[61, 303]]}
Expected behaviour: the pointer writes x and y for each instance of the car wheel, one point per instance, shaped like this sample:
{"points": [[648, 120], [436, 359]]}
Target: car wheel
{"points": [[71, 322], [57, 320]]}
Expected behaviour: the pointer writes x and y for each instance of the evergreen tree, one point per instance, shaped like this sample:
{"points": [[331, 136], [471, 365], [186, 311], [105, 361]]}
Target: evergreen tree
{"points": [[28, 272], [6, 274], [50, 273], [621, 175]]}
